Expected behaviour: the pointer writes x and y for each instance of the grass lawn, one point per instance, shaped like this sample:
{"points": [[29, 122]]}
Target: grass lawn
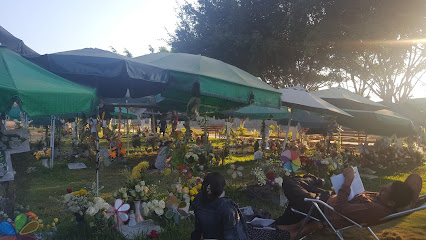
{"points": [[35, 189]]}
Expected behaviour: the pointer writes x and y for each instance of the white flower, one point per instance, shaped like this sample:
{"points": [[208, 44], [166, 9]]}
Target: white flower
{"points": [[161, 204], [9, 220], [159, 211], [279, 181], [145, 210], [91, 211], [155, 202]]}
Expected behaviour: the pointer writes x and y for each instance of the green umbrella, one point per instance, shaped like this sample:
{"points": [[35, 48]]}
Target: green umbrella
{"points": [[131, 115], [381, 122], [39, 92], [259, 112], [15, 113], [216, 83]]}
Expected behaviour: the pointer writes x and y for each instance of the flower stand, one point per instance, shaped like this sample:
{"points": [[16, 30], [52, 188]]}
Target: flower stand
{"points": [[138, 215], [45, 162]]}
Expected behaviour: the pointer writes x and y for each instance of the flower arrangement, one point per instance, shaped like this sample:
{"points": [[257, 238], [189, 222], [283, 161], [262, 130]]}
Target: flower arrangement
{"points": [[260, 175], [154, 140], [202, 155], [122, 194], [44, 153], [270, 172], [155, 206], [83, 202], [138, 169], [141, 192]]}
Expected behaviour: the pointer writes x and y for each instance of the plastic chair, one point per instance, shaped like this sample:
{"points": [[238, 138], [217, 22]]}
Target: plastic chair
{"points": [[420, 205]]}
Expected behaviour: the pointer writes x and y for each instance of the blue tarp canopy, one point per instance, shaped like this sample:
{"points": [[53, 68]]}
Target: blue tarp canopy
{"points": [[111, 74], [15, 44]]}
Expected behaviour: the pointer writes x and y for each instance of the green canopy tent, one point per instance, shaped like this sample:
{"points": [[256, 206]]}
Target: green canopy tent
{"points": [[40, 93], [218, 85], [381, 122], [125, 113], [259, 112]]}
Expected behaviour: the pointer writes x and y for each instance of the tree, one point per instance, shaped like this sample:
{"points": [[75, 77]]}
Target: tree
{"points": [[127, 53], [265, 38], [113, 49], [373, 46], [151, 49], [163, 49], [366, 44]]}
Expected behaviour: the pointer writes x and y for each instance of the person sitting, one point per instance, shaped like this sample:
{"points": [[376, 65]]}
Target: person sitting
{"points": [[366, 207], [217, 217]]}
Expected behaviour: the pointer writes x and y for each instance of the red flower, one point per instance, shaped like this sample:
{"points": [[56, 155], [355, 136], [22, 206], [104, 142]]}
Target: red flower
{"points": [[198, 180], [189, 175], [270, 176], [69, 190], [153, 234], [31, 215]]}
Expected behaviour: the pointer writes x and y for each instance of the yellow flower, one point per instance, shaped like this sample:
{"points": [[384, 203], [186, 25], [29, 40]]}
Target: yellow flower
{"points": [[168, 171], [41, 226], [53, 224], [185, 189], [192, 198], [199, 186], [48, 226], [55, 220]]}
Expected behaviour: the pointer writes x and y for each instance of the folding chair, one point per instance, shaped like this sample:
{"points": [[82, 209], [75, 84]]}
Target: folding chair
{"points": [[420, 205]]}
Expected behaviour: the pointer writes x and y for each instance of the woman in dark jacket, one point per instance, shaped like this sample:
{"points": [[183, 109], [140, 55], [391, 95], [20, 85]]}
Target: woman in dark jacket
{"points": [[217, 217]]}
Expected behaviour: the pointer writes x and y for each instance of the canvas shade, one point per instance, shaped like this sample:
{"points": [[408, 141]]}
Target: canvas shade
{"points": [[307, 119], [381, 122], [259, 112], [345, 99], [39, 92], [15, 44], [111, 74], [300, 98], [221, 85], [408, 110]]}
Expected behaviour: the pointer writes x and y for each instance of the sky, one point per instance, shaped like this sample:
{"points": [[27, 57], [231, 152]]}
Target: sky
{"points": [[49, 26]]}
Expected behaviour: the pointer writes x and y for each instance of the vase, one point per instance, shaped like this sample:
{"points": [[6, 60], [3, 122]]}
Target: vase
{"points": [[283, 199], [44, 162], [138, 215]]}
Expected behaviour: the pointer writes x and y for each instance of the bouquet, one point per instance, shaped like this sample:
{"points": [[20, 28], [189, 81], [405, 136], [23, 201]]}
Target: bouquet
{"points": [[140, 192], [45, 153], [154, 206], [81, 202]]}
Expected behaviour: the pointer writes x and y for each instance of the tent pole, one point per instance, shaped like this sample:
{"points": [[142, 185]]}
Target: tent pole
{"points": [[127, 123], [288, 128], [97, 165], [52, 141]]}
